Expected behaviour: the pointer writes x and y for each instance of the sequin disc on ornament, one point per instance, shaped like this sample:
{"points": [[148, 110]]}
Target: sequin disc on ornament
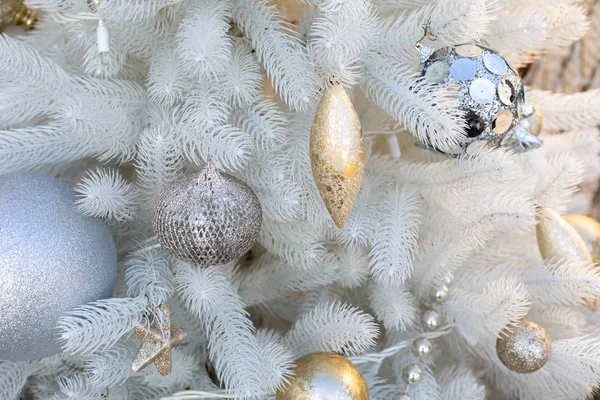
{"points": [[489, 91]]}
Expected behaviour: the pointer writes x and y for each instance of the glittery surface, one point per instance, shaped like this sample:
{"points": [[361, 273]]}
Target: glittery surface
{"points": [[589, 230], [478, 92], [158, 338], [337, 153], [207, 218], [320, 376], [525, 348], [52, 259]]}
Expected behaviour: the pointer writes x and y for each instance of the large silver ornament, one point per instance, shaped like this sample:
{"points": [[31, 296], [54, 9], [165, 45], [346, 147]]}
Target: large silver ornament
{"points": [[525, 347], [207, 218], [52, 259], [490, 92]]}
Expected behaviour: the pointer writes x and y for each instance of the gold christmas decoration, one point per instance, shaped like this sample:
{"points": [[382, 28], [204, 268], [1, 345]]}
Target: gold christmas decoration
{"points": [[524, 347], [589, 230], [15, 12], [158, 338], [557, 239], [325, 376], [337, 152]]}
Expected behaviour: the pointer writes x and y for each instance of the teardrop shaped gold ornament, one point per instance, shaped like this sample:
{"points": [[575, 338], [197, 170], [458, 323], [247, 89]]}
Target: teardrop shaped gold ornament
{"points": [[557, 239], [337, 152]]}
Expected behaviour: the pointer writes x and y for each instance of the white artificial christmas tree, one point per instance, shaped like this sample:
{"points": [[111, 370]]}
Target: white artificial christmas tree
{"points": [[185, 81]]}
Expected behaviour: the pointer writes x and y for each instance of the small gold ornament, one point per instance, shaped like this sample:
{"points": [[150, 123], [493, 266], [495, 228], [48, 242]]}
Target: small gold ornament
{"points": [[337, 152], [157, 341], [525, 347], [589, 230], [325, 376], [15, 12], [557, 239]]}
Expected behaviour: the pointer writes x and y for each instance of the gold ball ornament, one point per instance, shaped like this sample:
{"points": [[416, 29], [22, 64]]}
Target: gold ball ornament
{"points": [[525, 347], [320, 376], [337, 152], [589, 230], [557, 239], [15, 12]]}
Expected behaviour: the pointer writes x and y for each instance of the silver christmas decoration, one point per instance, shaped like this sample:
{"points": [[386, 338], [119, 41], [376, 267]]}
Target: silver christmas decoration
{"points": [[431, 320], [52, 259], [490, 92], [529, 127], [207, 218], [441, 293], [422, 347], [412, 373], [525, 347]]}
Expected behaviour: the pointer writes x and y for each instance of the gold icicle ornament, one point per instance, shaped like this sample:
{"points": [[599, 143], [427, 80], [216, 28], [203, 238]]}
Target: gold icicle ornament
{"points": [[559, 240], [589, 230], [337, 152]]}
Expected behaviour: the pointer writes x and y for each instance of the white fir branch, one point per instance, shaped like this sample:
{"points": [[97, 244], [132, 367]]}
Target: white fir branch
{"points": [[13, 376], [99, 325], [459, 382], [75, 387], [567, 111], [203, 45], [560, 322], [563, 172], [353, 266], [481, 316], [264, 122], [394, 241], [242, 80], [110, 367], [166, 79], [280, 50], [148, 275], [430, 113], [185, 367], [333, 327], [104, 193], [395, 307], [276, 357], [131, 11]]}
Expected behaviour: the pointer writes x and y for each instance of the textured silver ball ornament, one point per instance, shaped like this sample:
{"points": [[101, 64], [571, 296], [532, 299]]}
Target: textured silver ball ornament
{"points": [[422, 347], [490, 92], [52, 259], [431, 320], [207, 218], [412, 373], [525, 347]]}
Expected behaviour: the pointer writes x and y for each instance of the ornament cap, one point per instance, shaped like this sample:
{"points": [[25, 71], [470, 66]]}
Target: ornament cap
{"points": [[425, 52]]}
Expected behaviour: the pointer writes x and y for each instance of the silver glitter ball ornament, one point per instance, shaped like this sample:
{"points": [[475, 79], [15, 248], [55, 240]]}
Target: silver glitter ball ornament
{"points": [[52, 259], [525, 347], [207, 218], [489, 90]]}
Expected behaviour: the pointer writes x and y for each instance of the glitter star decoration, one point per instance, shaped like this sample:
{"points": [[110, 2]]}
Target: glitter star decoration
{"points": [[157, 339]]}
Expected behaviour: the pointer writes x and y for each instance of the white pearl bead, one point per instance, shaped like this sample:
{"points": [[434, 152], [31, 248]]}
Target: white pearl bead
{"points": [[412, 373], [448, 279], [422, 347], [441, 293], [402, 396], [431, 320]]}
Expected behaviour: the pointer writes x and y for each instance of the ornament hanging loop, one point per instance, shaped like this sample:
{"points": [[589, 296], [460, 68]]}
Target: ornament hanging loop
{"points": [[425, 51]]}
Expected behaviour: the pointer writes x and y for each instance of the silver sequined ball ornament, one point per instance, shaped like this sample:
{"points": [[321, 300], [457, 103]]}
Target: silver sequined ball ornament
{"points": [[52, 259], [207, 218], [525, 347], [489, 90]]}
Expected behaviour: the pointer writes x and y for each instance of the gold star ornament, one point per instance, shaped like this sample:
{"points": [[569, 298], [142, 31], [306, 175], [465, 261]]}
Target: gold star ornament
{"points": [[158, 338]]}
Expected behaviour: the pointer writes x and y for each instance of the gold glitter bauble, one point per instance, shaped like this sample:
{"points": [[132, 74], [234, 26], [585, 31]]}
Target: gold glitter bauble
{"points": [[15, 12], [557, 239], [525, 347], [337, 152], [589, 230], [158, 338], [325, 376]]}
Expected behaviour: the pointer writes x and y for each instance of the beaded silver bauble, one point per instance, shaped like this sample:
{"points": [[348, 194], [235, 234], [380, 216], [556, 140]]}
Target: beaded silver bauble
{"points": [[525, 347], [490, 92], [207, 218]]}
